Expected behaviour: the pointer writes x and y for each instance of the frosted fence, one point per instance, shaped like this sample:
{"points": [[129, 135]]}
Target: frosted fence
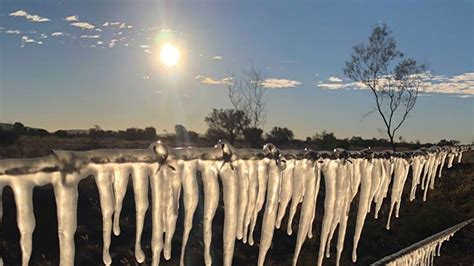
{"points": [[424, 251], [275, 181]]}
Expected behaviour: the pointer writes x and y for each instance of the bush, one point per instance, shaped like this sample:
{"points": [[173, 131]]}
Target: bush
{"points": [[8, 137]]}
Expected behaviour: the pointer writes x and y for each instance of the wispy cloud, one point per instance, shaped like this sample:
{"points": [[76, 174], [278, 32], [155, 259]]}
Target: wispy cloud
{"points": [[28, 40], [90, 36], [72, 18], [274, 83], [335, 79], [13, 31], [214, 81], [57, 34], [29, 17], [217, 57], [120, 25], [461, 85], [83, 25]]}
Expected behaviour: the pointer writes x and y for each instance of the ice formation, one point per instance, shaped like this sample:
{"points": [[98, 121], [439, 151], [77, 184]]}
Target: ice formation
{"points": [[424, 251], [269, 181]]}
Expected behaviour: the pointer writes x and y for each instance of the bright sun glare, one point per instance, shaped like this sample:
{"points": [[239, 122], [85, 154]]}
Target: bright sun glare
{"points": [[169, 55]]}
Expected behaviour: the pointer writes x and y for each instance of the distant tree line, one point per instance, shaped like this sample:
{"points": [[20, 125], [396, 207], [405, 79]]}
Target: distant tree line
{"points": [[229, 124]]}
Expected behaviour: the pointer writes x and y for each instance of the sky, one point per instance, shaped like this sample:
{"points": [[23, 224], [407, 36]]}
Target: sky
{"points": [[76, 64]]}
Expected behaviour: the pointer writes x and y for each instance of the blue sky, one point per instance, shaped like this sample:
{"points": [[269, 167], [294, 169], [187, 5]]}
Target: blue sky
{"points": [[59, 73]]}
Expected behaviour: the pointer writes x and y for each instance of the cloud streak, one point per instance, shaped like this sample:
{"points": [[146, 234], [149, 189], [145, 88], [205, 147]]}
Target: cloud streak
{"points": [[72, 18], [214, 81], [29, 17], [461, 85], [83, 25], [274, 83]]}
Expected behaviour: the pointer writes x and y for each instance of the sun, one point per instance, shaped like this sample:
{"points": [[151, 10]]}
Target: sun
{"points": [[169, 55]]}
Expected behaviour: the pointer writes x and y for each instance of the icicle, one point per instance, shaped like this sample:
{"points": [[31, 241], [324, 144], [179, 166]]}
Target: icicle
{"points": [[341, 207], [355, 183], [328, 168], [345, 212], [157, 190], [262, 188], [428, 174], [252, 196], [191, 197], [209, 172], [435, 167], [66, 195], [231, 195], [460, 156], [451, 156], [140, 175], [307, 206], [298, 191], [376, 182], [243, 181], [426, 170], [400, 174], [121, 177], [385, 182], [443, 161], [417, 166], [316, 190], [172, 173], [25, 217], [271, 208], [406, 168], [286, 190], [103, 178], [364, 197]]}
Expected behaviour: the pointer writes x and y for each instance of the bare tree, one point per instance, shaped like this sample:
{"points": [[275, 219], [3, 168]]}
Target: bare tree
{"points": [[395, 89], [247, 95]]}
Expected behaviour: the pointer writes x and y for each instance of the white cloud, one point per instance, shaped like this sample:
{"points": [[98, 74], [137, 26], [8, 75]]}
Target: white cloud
{"points": [[13, 31], [217, 57], [335, 79], [100, 42], [27, 39], [144, 46], [339, 85], [112, 43], [461, 85], [90, 36], [464, 96], [213, 81], [275, 83], [72, 18], [120, 25], [29, 17], [57, 34], [147, 51], [83, 25]]}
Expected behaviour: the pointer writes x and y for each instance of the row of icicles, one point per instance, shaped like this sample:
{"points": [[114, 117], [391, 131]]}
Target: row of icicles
{"points": [[277, 181], [423, 252]]}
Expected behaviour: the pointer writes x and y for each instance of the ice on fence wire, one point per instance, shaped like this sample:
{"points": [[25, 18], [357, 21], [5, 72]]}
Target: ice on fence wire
{"points": [[249, 186]]}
